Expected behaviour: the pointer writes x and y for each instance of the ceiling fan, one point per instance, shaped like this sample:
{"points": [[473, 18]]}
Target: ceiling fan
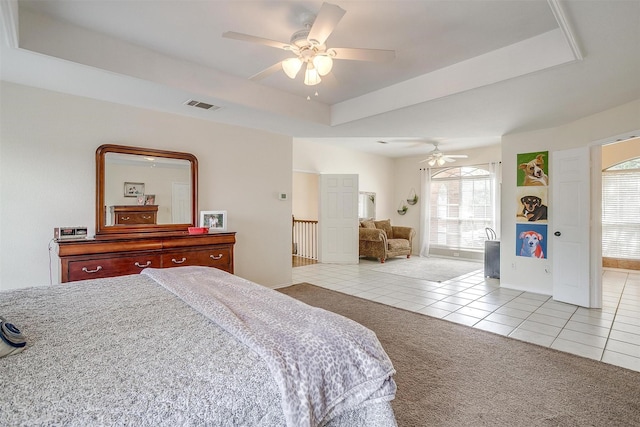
{"points": [[437, 157], [309, 48]]}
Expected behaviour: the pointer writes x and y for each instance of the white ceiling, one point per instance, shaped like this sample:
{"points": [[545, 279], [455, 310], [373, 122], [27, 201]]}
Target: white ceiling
{"points": [[465, 72]]}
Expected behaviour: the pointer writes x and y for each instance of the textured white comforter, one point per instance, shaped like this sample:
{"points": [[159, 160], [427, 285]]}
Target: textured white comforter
{"points": [[324, 364], [125, 351]]}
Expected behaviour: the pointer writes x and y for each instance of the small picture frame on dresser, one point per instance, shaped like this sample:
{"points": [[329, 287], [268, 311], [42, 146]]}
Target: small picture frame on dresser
{"points": [[141, 200], [214, 220], [133, 189], [150, 199]]}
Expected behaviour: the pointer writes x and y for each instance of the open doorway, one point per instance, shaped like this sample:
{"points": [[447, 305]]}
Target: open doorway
{"points": [[600, 152], [304, 202]]}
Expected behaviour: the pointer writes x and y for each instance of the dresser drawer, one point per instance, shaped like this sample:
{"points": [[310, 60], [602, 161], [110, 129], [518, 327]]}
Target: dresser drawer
{"points": [[109, 257], [214, 256], [95, 268], [136, 218]]}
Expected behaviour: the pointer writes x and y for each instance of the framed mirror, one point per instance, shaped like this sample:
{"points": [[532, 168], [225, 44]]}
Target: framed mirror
{"points": [[366, 205], [142, 190]]}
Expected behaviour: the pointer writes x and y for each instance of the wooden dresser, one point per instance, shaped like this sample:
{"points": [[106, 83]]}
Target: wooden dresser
{"points": [[134, 214], [93, 259]]}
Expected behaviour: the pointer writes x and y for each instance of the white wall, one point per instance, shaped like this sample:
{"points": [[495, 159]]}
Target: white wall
{"points": [[47, 178], [305, 195], [376, 173], [529, 274]]}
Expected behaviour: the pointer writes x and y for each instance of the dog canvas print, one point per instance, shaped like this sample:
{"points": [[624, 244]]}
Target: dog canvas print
{"points": [[531, 240], [531, 204], [533, 169]]}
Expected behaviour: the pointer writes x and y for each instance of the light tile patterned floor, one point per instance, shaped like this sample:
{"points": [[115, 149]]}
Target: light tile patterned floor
{"points": [[610, 334]]}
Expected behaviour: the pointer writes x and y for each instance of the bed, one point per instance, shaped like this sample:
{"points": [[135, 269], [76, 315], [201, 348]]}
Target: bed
{"points": [[188, 346]]}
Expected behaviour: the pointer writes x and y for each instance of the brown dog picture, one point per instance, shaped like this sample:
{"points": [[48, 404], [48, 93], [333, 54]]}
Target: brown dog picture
{"points": [[532, 169], [533, 209], [531, 204]]}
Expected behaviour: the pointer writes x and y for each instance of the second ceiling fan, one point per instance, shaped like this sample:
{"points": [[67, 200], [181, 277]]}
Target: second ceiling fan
{"points": [[437, 157], [309, 48]]}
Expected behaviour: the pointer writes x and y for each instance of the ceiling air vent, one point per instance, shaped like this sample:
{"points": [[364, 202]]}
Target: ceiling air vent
{"points": [[202, 105]]}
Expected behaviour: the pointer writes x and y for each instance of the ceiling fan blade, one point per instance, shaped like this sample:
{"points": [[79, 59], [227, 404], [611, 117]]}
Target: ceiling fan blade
{"points": [[457, 156], [448, 159], [326, 20], [267, 72], [253, 39], [355, 54]]}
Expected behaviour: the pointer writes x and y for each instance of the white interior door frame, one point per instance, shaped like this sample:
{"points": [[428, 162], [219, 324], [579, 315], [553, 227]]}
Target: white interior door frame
{"points": [[595, 254], [596, 212]]}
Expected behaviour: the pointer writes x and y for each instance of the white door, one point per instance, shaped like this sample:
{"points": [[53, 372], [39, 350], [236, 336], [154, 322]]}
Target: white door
{"points": [[180, 203], [570, 220], [338, 219]]}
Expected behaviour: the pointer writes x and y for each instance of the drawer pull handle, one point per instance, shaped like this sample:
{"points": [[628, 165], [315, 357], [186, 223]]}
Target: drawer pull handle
{"points": [[178, 262], [215, 257], [137, 264], [125, 218], [146, 216], [86, 270]]}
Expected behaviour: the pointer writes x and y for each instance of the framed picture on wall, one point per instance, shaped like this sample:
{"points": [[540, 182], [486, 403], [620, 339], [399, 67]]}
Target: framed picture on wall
{"points": [[133, 189], [533, 169], [531, 204], [531, 240], [214, 220]]}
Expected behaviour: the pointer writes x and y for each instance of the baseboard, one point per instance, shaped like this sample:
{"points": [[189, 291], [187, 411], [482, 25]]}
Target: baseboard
{"points": [[625, 264]]}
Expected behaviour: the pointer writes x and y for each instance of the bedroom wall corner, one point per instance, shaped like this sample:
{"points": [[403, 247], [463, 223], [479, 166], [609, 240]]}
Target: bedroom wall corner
{"points": [[47, 178]]}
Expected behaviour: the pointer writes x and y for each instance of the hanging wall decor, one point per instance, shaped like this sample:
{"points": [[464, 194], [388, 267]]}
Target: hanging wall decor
{"points": [[413, 197], [402, 208], [532, 205], [531, 240]]}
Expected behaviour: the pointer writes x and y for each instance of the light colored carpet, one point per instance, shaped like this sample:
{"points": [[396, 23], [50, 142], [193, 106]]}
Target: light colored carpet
{"points": [[449, 375], [433, 269]]}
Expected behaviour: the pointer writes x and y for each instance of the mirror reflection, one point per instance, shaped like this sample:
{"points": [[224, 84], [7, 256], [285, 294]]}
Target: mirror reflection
{"points": [[145, 190], [366, 205]]}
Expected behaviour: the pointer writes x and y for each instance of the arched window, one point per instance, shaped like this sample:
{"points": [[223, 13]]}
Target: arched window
{"points": [[620, 208], [461, 207]]}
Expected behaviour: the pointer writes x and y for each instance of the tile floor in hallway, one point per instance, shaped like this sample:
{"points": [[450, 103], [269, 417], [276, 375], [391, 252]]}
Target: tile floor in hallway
{"points": [[610, 334]]}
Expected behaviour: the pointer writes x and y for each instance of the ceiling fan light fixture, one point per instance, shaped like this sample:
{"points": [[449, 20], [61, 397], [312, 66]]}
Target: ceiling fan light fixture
{"points": [[323, 63], [311, 76], [431, 162], [441, 161], [291, 67]]}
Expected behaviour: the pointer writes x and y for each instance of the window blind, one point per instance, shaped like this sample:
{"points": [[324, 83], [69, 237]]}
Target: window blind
{"points": [[620, 214], [461, 208]]}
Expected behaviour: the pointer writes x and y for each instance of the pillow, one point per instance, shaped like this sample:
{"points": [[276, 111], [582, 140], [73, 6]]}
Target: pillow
{"points": [[386, 226], [367, 224]]}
